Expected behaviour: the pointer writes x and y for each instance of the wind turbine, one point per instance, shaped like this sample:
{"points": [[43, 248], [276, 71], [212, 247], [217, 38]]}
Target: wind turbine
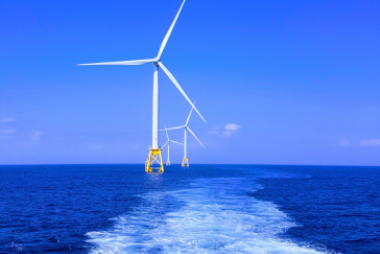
{"points": [[185, 161], [155, 150], [168, 143]]}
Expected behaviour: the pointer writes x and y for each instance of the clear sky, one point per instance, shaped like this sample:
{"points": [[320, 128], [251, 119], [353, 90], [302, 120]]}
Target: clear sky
{"points": [[279, 82]]}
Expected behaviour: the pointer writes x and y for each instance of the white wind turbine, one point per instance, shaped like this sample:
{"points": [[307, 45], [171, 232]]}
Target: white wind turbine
{"points": [[185, 161], [155, 150], [168, 143]]}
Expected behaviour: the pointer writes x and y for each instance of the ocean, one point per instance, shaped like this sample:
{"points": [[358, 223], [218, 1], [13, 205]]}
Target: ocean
{"points": [[201, 209]]}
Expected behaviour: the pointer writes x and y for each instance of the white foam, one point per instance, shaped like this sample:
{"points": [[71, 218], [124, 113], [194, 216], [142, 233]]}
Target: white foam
{"points": [[216, 216]]}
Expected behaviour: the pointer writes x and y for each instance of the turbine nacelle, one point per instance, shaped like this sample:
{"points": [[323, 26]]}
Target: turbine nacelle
{"points": [[169, 141]]}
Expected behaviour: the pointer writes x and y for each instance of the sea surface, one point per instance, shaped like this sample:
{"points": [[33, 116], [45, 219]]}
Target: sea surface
{"points": [[201, 209]]}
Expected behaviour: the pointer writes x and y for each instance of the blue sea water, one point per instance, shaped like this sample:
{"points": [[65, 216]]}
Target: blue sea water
{"points": [[201, 209]]}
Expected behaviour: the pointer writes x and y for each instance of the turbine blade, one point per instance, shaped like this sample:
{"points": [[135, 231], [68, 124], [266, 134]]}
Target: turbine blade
{"points": [[171, 77], [176, 142], [166, 133], [176, 128], [165, 41], [195, 136], [165, 144], [188, 118], [133, 62]]}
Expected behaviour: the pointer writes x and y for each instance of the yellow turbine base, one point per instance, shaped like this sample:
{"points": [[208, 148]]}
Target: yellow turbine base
{"points": [[185, 162], [168, 163], [154, 156]]}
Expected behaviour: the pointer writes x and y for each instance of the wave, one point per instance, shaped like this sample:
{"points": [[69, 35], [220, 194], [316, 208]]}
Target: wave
{"points": [[214, 216]]}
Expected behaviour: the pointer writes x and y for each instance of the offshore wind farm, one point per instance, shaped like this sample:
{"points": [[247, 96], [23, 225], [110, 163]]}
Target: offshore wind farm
{"points": [[288, 162], [155, 150]]}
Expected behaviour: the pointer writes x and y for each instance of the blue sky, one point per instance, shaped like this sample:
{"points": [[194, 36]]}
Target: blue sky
{"points": [[279, 82]]}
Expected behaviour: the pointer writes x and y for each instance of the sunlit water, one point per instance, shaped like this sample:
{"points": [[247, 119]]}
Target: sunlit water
{"points": [[202, 209]]}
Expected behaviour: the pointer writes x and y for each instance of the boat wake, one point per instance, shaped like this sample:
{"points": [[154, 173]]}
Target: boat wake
{"points": [[214, 216]]}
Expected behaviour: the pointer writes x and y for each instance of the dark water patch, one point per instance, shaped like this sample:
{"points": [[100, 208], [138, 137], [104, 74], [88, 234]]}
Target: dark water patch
{"points": [[337, 206]]}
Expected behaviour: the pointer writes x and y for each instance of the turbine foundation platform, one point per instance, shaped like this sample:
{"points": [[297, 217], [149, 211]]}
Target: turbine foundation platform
{"points": [[185, 162], [168, 163], [154, 162]]}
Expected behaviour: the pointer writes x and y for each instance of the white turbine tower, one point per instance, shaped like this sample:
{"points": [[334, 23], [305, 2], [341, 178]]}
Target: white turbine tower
{"points": [[168, 143], [185, 161], [155, 150]]}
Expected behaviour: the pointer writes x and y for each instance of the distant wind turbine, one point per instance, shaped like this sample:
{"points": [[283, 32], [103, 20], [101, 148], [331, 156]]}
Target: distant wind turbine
{"points": [[155, 150], [168, 143], [185, 161]]}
